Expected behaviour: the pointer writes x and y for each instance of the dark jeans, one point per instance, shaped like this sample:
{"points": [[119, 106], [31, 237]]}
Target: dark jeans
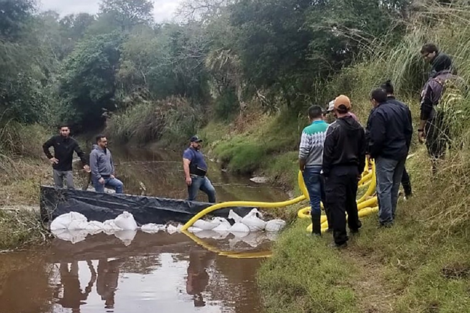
{"points": [[389, 174], [201, 183], [437, 137], [114, 183], [341, 192], [315, 186]]}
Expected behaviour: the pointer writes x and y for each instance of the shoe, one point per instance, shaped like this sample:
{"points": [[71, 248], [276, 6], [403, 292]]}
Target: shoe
{"points": [[386, 225], [340, 246]]}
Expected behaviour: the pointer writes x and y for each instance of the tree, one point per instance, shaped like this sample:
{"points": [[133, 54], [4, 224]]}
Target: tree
{"points": [[14, 15], [88, 79], [128, 13]]}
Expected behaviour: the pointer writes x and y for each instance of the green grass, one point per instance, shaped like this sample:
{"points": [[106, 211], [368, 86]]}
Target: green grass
{"points": [[20, 228], [304, 275]]}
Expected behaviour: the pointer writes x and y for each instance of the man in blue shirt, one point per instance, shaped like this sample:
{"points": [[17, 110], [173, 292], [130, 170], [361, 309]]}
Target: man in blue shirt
{"points": [[195, 170]]}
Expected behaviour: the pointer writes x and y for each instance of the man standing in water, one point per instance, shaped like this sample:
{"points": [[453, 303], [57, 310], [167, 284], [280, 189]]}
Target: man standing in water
{"points": [[310, 163], [102, 167], [195, 171], [343, 162], [64, 147]]}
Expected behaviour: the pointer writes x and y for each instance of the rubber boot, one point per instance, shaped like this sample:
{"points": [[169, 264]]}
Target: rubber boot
{"points": [[316, 224]]}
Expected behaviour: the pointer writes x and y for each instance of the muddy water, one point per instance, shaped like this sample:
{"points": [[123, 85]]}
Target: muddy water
{"points": [[141, 272]]}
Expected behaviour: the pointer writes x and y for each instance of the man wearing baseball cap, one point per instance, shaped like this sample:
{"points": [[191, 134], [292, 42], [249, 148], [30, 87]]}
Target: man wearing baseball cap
{"points": [[343, 162], [195, 170], [331, 107]]}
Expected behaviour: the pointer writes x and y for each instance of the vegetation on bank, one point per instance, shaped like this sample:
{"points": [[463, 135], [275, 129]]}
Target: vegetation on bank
{"points": [[421, 263]]}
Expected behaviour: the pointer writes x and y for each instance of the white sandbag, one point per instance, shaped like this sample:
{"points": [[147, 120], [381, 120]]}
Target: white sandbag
{"points": [[206, 225], [126, 221], [72, 236], [126, 236], [171, 229], [239, 228], [212, 234], [109, 227], [94, 227], [224, 225], [63, 221], [253, 222], [234, 216], [152, 228], [194, 230], [275, 225], [77, 225]]}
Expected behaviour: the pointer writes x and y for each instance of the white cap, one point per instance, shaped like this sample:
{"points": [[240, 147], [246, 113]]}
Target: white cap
{"points": [[331, 106]]}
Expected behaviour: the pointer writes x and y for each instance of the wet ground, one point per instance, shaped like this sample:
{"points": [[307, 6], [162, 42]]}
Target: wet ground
{"points": [[139, 272]]}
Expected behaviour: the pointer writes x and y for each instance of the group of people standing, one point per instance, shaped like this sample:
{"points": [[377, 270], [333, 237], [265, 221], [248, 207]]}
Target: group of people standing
{"points": [[332, 156], [100, 166]]}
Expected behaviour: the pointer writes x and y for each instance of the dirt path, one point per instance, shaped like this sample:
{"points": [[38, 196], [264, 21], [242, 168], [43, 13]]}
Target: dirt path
{"points": [[374, 296]]}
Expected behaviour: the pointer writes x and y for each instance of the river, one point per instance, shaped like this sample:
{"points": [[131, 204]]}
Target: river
{"points": [[145, 272]]}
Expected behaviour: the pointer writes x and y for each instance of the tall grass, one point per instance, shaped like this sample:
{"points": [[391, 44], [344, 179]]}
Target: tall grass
{"points": [[172, 119]]}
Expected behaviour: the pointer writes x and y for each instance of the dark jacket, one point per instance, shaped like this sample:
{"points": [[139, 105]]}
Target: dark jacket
{"points": [[63, 151], [101, 163], [406, 109], [432, 93], [390, 131], [344, 145]]}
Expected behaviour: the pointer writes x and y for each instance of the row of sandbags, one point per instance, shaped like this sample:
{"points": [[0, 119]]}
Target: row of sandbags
{"points": [[125, 221], [249, 223]]}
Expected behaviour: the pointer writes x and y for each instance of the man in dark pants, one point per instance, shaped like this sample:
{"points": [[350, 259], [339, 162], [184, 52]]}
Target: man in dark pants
{"points": [[195, 170], [64, 147], [390, 132], [405, 179], [310, 164], [343, 162], [432, 128]]}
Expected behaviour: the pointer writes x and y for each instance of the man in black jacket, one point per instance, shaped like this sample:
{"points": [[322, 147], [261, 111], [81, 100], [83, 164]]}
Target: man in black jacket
{"points": [[343, 163], [64, 146], [390, 132], [405, 179]]}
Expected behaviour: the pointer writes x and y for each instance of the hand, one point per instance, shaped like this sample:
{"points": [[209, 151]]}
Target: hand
{"points": [[54, 161], [87, 169], [101, 181], [189, 181], [421, 136], [112, 176]]}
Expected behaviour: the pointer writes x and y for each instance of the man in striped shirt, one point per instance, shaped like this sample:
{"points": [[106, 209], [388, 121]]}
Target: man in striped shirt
{"points": [[310, 162]]}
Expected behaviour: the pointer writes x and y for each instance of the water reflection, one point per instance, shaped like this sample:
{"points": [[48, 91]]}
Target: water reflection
{"points": [[160, 272]]}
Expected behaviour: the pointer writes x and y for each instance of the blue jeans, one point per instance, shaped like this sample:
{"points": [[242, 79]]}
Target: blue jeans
{"points": [[201, 183], [114, 183], [389, 173], [315, 186]]}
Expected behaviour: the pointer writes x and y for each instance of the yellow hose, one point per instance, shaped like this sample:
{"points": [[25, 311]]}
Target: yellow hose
{"points": [[240, 204], [229, 254]]}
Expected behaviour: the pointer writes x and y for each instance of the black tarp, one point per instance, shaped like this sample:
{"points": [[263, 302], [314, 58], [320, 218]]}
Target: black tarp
{"points": [[103, 206]]}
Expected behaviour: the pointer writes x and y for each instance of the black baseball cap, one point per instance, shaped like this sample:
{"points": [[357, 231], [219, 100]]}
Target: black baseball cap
{"points": [[195, 139]]}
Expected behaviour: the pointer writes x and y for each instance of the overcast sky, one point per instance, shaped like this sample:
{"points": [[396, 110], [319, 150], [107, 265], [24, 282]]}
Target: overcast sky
{"points": [[163, 9]]}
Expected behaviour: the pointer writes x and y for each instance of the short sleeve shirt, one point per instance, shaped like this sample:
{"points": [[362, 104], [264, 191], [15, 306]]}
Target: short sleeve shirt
{"points": [[196, 157]]}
